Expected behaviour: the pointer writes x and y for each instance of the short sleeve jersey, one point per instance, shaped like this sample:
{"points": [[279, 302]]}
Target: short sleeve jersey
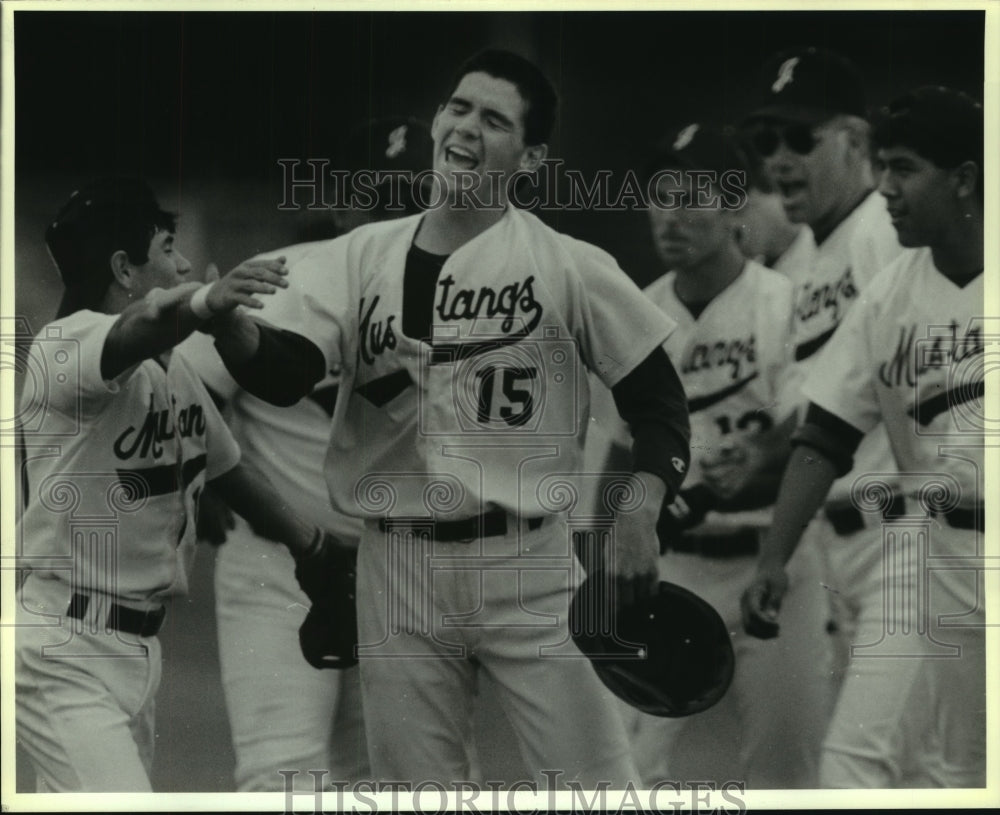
{"points": [[115, 468], [911, 355], [732, 358], [496, 403]]}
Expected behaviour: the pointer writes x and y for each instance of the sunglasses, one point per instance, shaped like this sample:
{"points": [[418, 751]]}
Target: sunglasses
{"points": [[799, 138]]}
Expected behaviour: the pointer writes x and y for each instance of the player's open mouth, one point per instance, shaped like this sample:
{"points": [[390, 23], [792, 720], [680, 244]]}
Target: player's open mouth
{"points": [[461, 158]]}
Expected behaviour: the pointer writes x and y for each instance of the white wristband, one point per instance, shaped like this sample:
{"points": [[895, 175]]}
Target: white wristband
{"points": [[199, 303]]}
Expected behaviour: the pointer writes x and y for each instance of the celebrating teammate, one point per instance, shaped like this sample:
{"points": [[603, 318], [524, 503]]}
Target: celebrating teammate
{"points": [[128, 439], [912, 709], [811, 132], [285, 714], [463, 334], [731, 347]]}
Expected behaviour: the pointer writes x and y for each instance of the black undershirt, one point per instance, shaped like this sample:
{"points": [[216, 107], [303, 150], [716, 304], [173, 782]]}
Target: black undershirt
{"points": [[420, 279]]}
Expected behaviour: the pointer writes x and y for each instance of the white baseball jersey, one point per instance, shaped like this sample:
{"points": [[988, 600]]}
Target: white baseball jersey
{"points": [[796, 259], [500, 397], [732, 358], [135, 454], [842, 266], [286, 443], [912, 357]]}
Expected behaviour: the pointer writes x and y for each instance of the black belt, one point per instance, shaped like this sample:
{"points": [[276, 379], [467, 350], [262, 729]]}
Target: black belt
{"points": [[962, 518], [737, 544], [846, 519], [122, 618], [488, 525]]}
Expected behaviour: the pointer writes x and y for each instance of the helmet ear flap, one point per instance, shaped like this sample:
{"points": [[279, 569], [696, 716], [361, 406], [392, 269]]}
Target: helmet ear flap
{"points": [[669, 656]]}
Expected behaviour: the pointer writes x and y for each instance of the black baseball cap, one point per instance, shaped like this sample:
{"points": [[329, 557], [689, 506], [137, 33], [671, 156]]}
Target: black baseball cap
{"points": [[697, 146], [809, 85], [943, 125], [391, 143]]}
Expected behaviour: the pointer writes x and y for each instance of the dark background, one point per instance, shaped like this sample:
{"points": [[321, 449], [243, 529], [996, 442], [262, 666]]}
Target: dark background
{"points": [[204, 104]]}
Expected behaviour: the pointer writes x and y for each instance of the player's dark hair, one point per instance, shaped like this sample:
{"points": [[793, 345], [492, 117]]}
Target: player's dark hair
{"points": [[942, 125], [534, 87], [107, 215]]}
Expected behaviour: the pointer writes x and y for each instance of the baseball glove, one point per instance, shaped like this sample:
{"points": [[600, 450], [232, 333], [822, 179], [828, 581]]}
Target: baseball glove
{"points": [[669, 656], [328, 636]]}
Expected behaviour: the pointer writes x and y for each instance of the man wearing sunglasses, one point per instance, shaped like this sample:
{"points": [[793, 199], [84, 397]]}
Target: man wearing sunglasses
{"points": [[811, 132], [912, 711]]}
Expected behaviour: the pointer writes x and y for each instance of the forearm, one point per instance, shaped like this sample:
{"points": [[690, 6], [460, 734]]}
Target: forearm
{"points": [[277, 366], [251, 494], [804, 487], [149, 327]]}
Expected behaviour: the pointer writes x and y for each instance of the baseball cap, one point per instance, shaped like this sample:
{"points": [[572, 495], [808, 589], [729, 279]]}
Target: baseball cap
{"points": [[101, 217], [698, 146], [810, 85], [943, 125], [391, 143]]}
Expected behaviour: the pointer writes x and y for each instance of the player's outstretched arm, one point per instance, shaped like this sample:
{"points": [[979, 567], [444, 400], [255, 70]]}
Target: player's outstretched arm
{"points": [[164, 317], [250, 493], [823, 450]]}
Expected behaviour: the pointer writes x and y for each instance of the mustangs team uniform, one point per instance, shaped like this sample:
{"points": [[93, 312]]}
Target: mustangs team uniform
{"points": [[732, 360], [259, 605], [109, 534], [466, 397], [826, 287], [911, 355]]}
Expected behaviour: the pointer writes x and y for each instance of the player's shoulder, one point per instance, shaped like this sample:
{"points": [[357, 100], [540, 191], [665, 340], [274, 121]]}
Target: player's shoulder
{"points": [[661, 288], [580, 251], [77, 325], [897, 278], [764, 279]]}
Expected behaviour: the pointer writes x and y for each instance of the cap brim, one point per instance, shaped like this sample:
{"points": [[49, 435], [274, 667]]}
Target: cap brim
{"points": [[789, 113]]}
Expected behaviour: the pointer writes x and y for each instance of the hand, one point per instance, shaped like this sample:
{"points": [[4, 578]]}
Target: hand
{"points": [[215, 518], [730, 468], [761, 601], [238, 287], [635, 563]]}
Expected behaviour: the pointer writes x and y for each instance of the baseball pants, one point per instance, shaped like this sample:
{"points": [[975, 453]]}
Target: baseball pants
{"points": [[84, 695], [912, 709], [431, 615], [284, 714], [768, 729]]}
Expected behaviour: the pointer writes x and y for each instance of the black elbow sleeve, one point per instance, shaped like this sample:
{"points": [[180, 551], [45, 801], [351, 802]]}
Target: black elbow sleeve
{"points": [[285, 367]]}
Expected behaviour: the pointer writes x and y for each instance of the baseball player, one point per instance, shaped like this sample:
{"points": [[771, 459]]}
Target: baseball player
{"points": [[731, 347], [463, 335], [910, 353], [124, 439], [285, 714], [811, 132]]}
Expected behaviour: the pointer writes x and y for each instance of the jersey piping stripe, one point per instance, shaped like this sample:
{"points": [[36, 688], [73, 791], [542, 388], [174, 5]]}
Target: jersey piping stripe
{"points": [[162, 480], [383, 390], [928, 410], [807, 349], [702, 402], [456, 352]]}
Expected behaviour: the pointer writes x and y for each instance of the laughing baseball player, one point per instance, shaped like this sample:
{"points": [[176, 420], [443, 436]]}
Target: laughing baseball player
{"points": [[909, 354], [125, 439], [464, 334]]}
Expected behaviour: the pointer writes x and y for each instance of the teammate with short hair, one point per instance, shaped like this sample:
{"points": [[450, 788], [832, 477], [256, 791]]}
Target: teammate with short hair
{"points": [[910, 354], [810, 129], [123, 440], [463, 335], [286, 715], [731, 348]]}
